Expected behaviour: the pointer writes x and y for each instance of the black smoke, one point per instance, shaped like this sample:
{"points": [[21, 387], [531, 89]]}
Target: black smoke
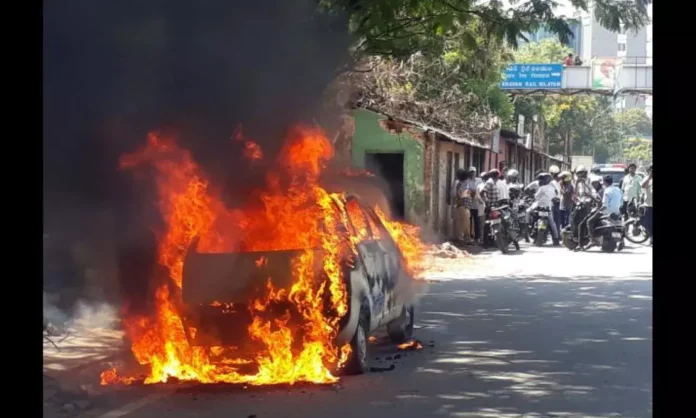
{"points": [[116, 69]]}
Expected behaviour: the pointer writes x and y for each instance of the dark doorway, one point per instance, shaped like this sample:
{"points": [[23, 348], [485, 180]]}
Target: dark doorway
{"points": [[390, 167]]}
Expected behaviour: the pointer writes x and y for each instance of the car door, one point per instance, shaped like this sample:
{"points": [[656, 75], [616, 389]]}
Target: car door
{"points": [[373, 258], [391, 272]]}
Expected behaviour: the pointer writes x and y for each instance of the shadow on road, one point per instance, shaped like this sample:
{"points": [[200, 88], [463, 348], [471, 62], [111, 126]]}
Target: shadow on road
{"points": [[528, 346], [537, 345]]}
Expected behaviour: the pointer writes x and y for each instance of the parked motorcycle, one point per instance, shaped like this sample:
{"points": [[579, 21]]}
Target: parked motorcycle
{"points": [[609, 231], [520, 210], [633, 226], [539, 231], [501, 228]]}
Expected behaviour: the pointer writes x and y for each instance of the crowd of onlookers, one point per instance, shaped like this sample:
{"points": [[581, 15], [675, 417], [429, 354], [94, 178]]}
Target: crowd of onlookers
{"points": [[558, 190]]}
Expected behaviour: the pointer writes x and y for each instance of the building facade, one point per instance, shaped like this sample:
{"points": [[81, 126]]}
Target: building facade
{"points": [[418, 163]]}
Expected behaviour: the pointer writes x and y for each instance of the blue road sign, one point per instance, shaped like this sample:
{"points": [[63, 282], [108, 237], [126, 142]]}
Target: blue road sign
{"points": [[532, 76]]}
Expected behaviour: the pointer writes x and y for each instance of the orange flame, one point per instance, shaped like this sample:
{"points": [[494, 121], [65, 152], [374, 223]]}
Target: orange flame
{"points": [[293, 214], [411, 345], [407, 238]]}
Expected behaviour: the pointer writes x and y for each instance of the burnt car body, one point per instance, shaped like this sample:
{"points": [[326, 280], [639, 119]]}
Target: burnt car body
{"points": [[218, 286]]}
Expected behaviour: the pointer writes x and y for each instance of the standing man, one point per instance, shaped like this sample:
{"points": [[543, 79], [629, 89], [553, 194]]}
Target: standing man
{"points": [[647, 187], [567, 190], [481, 207], [582, 186], [568, 62], [465, 185], [503, 188], [556, 201], [544, 199], [476, 208], [477, 179], [534, 185], [491, 192], [630, 186]]}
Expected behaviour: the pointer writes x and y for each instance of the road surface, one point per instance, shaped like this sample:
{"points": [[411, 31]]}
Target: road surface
{"points": [[547, 333]]}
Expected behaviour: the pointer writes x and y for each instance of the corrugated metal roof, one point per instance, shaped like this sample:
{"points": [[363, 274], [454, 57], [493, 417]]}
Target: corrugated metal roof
{"points": [[424, 127]]}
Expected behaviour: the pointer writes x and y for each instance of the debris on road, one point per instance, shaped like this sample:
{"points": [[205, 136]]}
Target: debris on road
{"points": [[411, 345], [382, 369], [448, 250]]}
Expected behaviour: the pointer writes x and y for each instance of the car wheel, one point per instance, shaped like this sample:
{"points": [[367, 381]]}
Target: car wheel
{"points": [[357, 361], [400, 329]]}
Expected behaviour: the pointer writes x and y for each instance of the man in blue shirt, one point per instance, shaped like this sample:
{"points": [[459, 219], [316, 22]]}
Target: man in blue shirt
{"points": [[612, 197]]}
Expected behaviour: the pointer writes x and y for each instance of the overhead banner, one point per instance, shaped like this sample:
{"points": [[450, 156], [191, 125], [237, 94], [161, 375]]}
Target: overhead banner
{"points": [[532, 77], [605, 73]]}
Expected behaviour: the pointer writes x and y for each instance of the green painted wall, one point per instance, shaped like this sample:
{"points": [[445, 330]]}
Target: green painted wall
{"points": [[370, 137]]}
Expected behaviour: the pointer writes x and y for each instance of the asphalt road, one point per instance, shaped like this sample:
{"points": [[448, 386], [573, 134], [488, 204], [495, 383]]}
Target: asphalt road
{"points": [[547, 333]]}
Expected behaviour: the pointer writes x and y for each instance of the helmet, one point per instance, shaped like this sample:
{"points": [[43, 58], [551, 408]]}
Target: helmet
{"points": [[566, 175], [554, 170], [513, 173], [595, 179], [494, 172], [484, 175], [544, 178], [581, 169], [472, 168]]}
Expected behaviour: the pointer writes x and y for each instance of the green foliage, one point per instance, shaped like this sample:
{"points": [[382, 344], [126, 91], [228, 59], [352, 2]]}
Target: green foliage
{"points": [[635, 122], [399, 28], [546, 50], [456, 90], [637, 150]]}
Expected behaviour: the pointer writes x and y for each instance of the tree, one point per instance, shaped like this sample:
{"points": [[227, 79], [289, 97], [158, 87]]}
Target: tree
{"points": [[634, 122], [456, 90], [637, 150], [400, 28]]}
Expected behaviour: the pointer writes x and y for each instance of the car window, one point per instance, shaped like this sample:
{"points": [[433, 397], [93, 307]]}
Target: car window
{"points": [[362, 227]]}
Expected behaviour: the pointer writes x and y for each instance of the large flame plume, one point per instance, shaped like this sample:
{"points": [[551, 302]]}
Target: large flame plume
{"points": [[295, 213]]}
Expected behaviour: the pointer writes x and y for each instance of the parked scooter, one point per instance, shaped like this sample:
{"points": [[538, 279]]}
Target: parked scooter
{"points": [[609, 232]]}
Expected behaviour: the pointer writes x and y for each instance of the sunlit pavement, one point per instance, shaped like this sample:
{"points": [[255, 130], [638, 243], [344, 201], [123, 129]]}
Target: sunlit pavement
{"points": [[547, 333]]}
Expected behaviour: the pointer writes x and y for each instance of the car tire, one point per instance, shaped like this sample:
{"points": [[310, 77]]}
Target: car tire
{"points": [[400, 329], [357, 360]]}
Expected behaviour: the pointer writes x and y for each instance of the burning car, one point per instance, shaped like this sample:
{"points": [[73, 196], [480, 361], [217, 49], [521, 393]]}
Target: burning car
{"points": [[284, 288], [217, 312]]}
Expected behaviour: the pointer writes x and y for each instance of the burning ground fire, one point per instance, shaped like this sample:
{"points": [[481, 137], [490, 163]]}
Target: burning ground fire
{"points": [[295, 213]]}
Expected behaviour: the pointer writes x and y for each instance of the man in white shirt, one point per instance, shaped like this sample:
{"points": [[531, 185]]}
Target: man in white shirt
{"points": [[480, 208], [556, 207], [647, 187], [544, 199], [503, 189], [630, 186], [534, 185]]}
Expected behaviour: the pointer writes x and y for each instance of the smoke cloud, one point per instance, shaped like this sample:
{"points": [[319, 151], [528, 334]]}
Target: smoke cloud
{"points": [[114, 70]]}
